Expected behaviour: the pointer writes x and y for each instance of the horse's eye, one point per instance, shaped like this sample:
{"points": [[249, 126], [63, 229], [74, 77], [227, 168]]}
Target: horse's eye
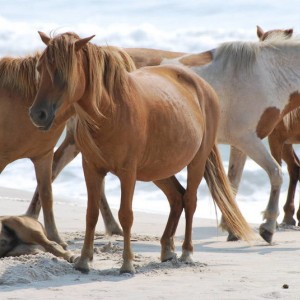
{"points": [[58, 80]]}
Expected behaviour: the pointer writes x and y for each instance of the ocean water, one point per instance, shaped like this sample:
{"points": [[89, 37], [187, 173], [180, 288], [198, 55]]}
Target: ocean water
{"points": [[191, 26]]}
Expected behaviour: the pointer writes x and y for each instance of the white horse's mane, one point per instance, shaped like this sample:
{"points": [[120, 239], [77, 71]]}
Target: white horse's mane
{"points": [[242, 55]]}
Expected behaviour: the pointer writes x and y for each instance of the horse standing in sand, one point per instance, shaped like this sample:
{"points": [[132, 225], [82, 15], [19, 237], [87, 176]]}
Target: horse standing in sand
{"points": [[19, 138], [144, 125], [245, 136], [285, 134]]}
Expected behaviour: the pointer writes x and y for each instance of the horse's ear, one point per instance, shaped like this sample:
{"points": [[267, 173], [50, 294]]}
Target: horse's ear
{"points": [[289, 32], [82, 42], [45, 38], [259, 32]]}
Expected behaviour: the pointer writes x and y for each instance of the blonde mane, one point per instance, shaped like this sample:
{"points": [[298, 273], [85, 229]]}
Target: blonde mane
{"points": [[106, 72], [291, 119], [19, 75]]}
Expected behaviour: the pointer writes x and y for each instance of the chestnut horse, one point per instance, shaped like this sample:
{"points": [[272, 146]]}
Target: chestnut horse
{"points": [[239, 146], [141, 125], [20, 139], [285, 134]]}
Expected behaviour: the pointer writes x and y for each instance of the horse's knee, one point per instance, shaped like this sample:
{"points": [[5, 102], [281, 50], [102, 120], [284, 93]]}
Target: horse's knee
{"points": [[276, 177]]}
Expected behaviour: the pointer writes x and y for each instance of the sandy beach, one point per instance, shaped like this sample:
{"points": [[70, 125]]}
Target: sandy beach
{"points": [[221, 270]]}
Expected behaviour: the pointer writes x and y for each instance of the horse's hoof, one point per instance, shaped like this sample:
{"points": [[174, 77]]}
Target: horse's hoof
{"points": [[81, 266], [168, 256], [232, 237], [186, 257], [127, 269], [266, 235], [288, 222], [82, 270]]}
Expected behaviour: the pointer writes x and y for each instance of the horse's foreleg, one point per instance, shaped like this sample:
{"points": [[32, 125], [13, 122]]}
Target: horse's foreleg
{"points": [[93, 180], [66, 152], [280, 151], [43, 174], [255, 149], [127, 180], [174, 192], [291, 159]]}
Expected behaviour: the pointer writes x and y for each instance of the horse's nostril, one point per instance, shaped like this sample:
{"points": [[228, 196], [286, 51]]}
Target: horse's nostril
{"points": [[42, 115]]}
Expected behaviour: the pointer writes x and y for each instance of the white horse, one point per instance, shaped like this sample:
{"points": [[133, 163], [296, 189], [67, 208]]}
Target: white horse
{"points": [[257, 84]]}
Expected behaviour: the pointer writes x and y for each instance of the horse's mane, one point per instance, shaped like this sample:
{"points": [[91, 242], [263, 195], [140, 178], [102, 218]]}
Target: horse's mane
{"points": [[106, 66], [291, 119], [19, 75], [242, 55], [106, 72]]}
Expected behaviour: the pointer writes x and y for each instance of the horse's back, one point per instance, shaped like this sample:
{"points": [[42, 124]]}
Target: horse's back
{"points": [[150, 57]]}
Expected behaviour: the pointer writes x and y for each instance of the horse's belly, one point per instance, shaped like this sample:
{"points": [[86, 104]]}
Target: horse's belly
{"points": [[163, 164]]}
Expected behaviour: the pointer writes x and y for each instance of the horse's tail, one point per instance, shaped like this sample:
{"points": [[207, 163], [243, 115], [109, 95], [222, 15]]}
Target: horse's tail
{"points": [[222, 194]]}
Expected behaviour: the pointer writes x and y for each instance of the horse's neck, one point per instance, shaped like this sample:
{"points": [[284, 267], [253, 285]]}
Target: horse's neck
{"points": [[283, 67], [18, 75]]}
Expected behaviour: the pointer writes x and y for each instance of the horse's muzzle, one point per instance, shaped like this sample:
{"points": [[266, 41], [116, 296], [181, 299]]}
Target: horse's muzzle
{"points": [[42, 117]]}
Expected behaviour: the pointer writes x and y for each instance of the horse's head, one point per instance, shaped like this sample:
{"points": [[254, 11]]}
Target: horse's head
{"points": [[262, 35], [61, 77], [8, 239]]}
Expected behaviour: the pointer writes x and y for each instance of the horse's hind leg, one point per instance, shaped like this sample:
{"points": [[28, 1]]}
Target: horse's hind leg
{"points": [[111, 225], [43, 174], [195, 172], [237, 161], [174, 192], [30, 232], [292, 161]]}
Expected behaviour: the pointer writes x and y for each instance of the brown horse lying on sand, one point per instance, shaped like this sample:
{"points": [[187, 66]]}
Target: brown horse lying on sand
{"points": [[21, 235], [144, 125]]}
